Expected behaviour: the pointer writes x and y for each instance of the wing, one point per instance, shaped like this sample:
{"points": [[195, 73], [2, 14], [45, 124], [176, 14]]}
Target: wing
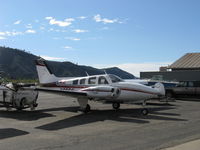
{"points": [[103, 92], [75, 94]]}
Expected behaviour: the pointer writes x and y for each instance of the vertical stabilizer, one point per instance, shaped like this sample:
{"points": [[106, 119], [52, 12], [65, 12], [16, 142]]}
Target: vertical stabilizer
{"points": [[44, 73]]}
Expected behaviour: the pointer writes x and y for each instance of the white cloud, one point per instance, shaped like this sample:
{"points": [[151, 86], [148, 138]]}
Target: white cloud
{"points": [[51, 29], [80, 31], [53, 58], [82, 17], [2, 33], [48, 18], [42, 28], [67, 47], [2, 38], [14, 33], [72, 38], [17, 22], [29, 26], [10, 33], [136, 68], [65, 23], [98, 18], [30, 31]]}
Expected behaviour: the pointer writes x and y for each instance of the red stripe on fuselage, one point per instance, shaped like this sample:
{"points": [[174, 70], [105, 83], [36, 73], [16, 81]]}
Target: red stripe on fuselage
{"points": [[40, 65], [96, 90], [53, 85]]}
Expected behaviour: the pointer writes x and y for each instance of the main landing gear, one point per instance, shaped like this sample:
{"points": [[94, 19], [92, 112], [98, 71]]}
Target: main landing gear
{"points": [[144, 111], [87, 109], [116, 105]]}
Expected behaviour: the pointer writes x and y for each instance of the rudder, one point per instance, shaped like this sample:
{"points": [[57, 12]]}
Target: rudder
{"points": [[44, 73]]}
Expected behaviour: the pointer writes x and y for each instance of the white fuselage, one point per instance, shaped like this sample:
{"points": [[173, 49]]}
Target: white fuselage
{"points": [[100, 87]]}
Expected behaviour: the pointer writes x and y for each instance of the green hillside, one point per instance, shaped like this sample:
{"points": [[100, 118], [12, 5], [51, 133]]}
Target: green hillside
{"points": [[19, 64]]}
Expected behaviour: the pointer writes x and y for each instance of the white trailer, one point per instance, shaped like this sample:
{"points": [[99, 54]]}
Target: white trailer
{"points": [[18, 97]]}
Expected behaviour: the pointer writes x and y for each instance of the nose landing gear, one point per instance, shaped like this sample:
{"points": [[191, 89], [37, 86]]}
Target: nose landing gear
{"points": [[116, 105], [144, 111]]}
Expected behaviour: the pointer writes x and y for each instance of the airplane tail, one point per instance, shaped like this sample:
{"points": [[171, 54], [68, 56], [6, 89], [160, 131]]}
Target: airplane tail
{"points": [[44, 73], [160, 88]]}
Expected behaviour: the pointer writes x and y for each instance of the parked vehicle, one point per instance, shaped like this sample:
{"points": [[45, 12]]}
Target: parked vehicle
{"points": [[184, 89], [16, 96]]}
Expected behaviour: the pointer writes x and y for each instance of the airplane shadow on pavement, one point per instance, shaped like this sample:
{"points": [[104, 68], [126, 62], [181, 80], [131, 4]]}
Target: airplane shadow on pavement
{"points": [[24, 115], [11, 132], [122, 115]]}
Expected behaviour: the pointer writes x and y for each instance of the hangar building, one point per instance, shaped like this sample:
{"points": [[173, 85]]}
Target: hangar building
{"points": [[187, 68]]}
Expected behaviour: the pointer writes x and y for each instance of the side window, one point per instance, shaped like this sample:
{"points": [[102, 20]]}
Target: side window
{"points": [[182, 84], [190, 84], [75, 82], [92, 80], [82, 81], [102, 80], [197, 84]]}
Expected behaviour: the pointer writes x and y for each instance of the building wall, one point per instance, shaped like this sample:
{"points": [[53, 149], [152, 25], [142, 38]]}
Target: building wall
{"points": [[187, 75]]}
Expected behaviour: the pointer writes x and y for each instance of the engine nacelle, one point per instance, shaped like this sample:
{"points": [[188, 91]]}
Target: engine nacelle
{"points": [[102, 92]]}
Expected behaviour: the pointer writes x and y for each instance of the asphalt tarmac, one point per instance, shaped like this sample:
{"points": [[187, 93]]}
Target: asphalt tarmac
{"points": [[57, 124]]}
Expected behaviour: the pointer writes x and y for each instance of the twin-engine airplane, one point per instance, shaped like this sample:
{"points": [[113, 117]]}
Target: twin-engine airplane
{"points": [[105, 88]]}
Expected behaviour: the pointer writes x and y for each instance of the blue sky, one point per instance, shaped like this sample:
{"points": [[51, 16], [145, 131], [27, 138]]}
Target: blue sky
{"points": [[135, 35]]}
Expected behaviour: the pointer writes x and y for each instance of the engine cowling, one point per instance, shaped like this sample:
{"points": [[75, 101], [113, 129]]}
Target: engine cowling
{"points": [[102, 92], [115, 92]]}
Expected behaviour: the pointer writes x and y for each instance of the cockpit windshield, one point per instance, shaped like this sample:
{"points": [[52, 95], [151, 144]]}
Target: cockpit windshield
{"points": [[115, 79]]}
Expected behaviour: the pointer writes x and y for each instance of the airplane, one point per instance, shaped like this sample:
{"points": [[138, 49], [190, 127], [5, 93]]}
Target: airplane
{"points": [[106, 88]]}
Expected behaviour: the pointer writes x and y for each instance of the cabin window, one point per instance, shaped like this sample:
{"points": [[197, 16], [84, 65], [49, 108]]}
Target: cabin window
{"points": [[82, 81], [115, 79], [75, 82], [92, 80], [102, 80]]}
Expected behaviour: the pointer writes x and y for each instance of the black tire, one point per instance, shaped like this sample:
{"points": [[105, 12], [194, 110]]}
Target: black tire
{"points": [[21, 104], [145, 112], [169, 94], [87, 109], [116, 105]]}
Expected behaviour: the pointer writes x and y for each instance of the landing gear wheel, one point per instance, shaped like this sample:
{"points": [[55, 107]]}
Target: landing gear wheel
{"points": [[87, 108], [144, 112], [22, 104], [169, 95], [116, 105]]}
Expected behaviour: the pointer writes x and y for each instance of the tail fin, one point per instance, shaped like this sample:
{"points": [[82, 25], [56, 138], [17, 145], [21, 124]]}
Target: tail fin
{"points": [[160, 88], [44, 73]]}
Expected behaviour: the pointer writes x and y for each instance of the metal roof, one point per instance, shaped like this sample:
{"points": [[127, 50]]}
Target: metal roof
{"points": [[189, 60]]}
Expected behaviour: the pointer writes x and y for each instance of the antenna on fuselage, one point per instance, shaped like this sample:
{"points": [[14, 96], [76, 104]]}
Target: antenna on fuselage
{"points": [[105, 71], [87, 73]]}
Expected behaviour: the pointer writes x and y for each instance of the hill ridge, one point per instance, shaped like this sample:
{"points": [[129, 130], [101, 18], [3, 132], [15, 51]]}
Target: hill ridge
{"points": [[20, 64]]}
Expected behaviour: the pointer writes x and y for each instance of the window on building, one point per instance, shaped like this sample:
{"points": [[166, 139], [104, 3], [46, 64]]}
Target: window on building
{"points": [[182, 84], [190, 84], [197, 84]]}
